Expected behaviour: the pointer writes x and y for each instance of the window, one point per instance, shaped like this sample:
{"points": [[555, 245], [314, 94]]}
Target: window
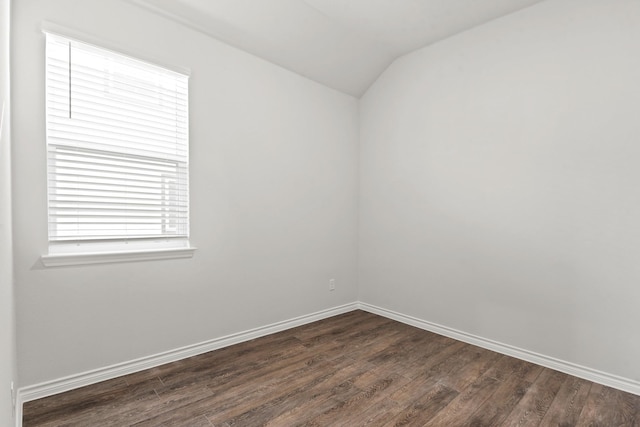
{"points": [[118, 154]]}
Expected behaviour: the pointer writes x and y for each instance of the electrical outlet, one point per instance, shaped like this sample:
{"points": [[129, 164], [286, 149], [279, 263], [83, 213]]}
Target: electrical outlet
{"points": [[332, 284]]}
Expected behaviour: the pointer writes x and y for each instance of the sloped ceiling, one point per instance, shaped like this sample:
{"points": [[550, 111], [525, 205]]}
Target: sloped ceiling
{"points": [[343, 44]]}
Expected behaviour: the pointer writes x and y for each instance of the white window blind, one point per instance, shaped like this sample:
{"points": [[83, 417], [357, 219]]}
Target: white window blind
{"points": [[117, 143]]}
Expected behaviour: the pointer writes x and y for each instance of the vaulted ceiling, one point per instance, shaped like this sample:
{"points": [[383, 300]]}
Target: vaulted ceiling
{"points": [[343, 44]]}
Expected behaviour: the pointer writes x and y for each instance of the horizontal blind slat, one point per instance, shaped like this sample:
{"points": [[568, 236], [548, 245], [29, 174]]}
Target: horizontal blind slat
{"points": [[61, 42], [158, 117], [96, 97], [80, 168], [86, 83], [161, 88], [112, 138], [110, 158], [86, 119]]}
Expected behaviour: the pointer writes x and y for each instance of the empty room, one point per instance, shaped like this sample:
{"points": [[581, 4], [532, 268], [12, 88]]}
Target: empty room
{"points": [[319, 212]]}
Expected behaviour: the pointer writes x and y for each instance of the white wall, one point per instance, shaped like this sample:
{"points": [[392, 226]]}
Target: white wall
{"points": [[273, 203], [499, 183], [7, 328]]}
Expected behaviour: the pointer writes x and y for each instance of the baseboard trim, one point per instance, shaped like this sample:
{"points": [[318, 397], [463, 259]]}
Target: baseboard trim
{"points": [[583, 372], [71, 382]]}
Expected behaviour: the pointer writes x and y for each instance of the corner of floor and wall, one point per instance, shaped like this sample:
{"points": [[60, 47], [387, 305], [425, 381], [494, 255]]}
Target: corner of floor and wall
{"points": [[483, 188]]}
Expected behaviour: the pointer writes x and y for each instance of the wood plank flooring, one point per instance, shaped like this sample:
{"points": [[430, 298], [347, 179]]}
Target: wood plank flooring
{"points": [[356, 369]]}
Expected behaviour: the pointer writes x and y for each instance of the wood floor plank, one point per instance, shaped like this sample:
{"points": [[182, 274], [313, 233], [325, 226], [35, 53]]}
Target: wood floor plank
{"points": [[500, 404], [608, 407], [355, 369], [478, 362], [233, 364], [354, 328], [314, 404], [78, 402], [424, 382], [466, 402], [201, 421], [243, 395], [408, 353], [478, 392], [537, 400], [120, 409], [359, 348], [267, 368], [381, 414], [425, 407], [349, 412], [271, 404], [334, 389], [568, 403]]}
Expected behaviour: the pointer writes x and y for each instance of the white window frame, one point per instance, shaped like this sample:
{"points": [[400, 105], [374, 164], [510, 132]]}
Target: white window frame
{"points": [[78, 252]]}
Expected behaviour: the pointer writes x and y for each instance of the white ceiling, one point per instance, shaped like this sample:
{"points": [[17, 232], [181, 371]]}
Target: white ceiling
{"points": [[343, 44]]}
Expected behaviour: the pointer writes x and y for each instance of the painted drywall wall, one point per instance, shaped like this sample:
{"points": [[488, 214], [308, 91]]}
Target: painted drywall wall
{"points": [[273, 202], [499, 174], [7, 324]]}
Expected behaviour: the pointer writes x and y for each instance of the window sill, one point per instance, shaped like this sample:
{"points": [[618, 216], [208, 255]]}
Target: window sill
{"points": [[86, 258]]}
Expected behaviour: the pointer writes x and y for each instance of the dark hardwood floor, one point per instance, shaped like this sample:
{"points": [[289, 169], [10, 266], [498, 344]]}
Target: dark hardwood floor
{"points": [[356, 369]]}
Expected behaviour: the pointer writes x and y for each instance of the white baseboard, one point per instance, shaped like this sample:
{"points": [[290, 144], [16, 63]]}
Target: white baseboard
{"points": [[596, 376], [71, 382]]}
